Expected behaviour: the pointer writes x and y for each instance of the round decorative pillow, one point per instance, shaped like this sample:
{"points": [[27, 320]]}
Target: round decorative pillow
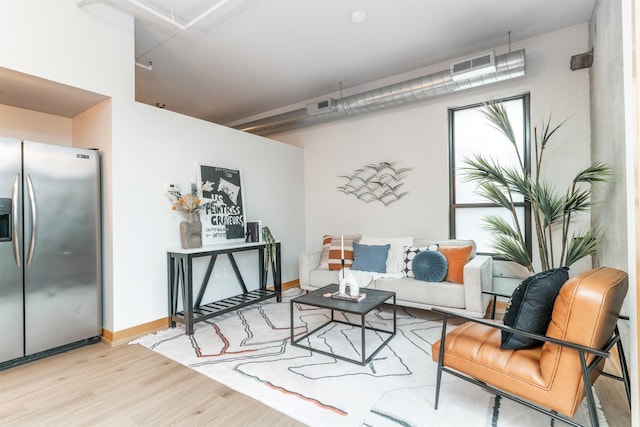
{"points": [[430, 266]]}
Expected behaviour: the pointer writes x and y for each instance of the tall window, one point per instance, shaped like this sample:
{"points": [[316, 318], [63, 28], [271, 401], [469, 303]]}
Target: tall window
{"points": [[470, 133]]}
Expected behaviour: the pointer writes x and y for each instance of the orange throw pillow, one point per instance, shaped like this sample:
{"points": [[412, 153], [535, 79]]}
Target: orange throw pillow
{"points": [[457, 257], [330, 258]]}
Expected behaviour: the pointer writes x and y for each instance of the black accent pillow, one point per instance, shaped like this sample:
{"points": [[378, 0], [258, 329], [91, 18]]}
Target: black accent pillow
{"points": [[531, 306]]}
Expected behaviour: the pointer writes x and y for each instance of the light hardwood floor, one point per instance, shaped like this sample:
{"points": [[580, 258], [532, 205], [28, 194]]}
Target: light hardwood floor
{"points": [[130, 385], [127, 385]]}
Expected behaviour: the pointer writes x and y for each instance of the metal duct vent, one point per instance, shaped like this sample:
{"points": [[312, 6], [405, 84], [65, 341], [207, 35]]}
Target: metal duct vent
{"points": [[477, 65], [322, 107], [507, 66]]}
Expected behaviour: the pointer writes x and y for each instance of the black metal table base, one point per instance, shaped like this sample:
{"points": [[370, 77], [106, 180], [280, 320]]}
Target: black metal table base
{"points": [[363, 329], [180, 283], [226, 305]]}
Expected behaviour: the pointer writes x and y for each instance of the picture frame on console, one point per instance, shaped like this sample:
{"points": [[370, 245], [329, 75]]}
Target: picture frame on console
{"points": [[254, 231], [222, 215]]}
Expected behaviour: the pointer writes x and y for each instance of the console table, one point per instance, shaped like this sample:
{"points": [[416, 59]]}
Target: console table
{"points": [[180, 281]]}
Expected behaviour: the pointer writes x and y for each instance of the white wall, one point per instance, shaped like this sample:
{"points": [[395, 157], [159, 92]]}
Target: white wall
{"points": [[164, 147], [417, 136], [608, 142], [92, 48], [615, 121]]}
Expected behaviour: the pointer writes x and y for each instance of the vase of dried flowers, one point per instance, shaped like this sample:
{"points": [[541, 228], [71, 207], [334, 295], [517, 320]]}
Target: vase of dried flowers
{"points": [[191, 231], [189, 204]]}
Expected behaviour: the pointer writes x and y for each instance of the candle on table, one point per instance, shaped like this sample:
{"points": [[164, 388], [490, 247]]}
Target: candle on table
{"points": [[342, 245]]}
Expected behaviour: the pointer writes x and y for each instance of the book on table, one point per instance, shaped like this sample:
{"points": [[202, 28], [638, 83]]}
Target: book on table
{"points": [[348, 297]]}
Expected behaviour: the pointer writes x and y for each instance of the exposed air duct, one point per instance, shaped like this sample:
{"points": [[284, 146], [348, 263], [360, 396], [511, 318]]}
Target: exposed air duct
{"points": [[508, 66]]}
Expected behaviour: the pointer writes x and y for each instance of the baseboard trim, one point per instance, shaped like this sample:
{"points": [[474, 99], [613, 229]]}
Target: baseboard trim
{"points": [[288, 285], [126, 335]]}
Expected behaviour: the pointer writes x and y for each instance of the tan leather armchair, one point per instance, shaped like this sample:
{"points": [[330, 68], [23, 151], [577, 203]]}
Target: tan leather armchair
{"points": [[550, 378]]}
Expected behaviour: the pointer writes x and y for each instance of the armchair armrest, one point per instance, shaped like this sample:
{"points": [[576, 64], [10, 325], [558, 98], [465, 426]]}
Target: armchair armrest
{"points": [[539, 337], [307, 262]]}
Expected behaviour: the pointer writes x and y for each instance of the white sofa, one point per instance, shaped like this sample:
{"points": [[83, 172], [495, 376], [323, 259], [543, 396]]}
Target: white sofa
{"points": [[466, 298]]}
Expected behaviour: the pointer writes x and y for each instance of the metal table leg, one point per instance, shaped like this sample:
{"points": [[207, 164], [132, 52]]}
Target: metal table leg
{"points": [[362, 331]]}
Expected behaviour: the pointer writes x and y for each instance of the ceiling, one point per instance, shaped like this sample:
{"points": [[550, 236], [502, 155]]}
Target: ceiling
{"points": [[246, 57], [252, 56]]}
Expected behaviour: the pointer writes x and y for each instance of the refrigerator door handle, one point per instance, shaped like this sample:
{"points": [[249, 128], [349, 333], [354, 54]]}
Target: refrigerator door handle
{"points": [[14, 214], [34, 220]]}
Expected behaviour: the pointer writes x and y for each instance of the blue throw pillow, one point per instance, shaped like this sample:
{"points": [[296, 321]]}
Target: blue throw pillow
{"points": [[371, 258], [430, 266]]}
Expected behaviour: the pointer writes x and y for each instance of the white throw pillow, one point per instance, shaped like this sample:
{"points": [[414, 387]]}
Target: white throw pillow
{"points": [[395, 256], [409, 254]]}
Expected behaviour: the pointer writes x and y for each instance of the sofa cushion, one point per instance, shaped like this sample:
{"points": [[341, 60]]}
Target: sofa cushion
{"points": [[457, 257], [409, 254], [319, 278], [331, 256], [395, 258], [419, 293], [370, 257], [531, 306], [430, 266]]}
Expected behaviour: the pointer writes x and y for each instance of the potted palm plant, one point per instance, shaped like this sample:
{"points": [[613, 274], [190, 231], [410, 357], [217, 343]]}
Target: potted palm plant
{"points": [[552, 211]]}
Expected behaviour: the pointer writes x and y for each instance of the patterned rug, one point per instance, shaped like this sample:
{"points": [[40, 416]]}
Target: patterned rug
{"points": [[249, 351]]}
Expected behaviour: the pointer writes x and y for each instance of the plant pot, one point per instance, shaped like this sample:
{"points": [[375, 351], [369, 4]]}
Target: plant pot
{"points": [[191, 231]]}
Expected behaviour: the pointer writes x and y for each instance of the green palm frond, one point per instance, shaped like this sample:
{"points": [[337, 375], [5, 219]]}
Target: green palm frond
{"points": [[597, 172], [550, 205], [580, 246], [502, 180], [507, 240], [578, 201], [547, 131], [481, 169], [511, 250], [497, 115], [494, 194], [499, 226], [517, 182]]}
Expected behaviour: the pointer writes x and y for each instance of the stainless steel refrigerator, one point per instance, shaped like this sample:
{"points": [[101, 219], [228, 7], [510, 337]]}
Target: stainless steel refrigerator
{"points": [[50, 249]]}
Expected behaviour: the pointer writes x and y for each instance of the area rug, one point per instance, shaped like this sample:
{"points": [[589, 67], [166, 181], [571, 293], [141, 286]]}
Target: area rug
{"points": [[249, 351]]}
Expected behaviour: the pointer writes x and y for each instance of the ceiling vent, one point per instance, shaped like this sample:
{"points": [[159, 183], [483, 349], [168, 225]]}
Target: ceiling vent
{"points": [[506, 66], [322, 107], [475, 66]]}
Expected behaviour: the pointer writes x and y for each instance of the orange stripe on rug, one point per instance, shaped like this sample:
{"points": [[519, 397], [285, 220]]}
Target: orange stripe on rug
{"points": [[223, 351], [308, 399]]}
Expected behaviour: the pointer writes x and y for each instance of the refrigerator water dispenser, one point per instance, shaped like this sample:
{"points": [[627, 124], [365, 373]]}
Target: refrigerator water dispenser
{"points": [[5, 220]]}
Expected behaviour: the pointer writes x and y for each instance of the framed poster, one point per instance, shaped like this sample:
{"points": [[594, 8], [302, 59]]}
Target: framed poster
{"points": [[222, 214]]}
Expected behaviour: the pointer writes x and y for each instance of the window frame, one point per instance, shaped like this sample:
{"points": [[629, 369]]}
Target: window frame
{"points": [[526, 155]]}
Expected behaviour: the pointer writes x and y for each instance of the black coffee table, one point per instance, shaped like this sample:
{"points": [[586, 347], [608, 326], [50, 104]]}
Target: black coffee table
{"points": [[317, 299]]}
